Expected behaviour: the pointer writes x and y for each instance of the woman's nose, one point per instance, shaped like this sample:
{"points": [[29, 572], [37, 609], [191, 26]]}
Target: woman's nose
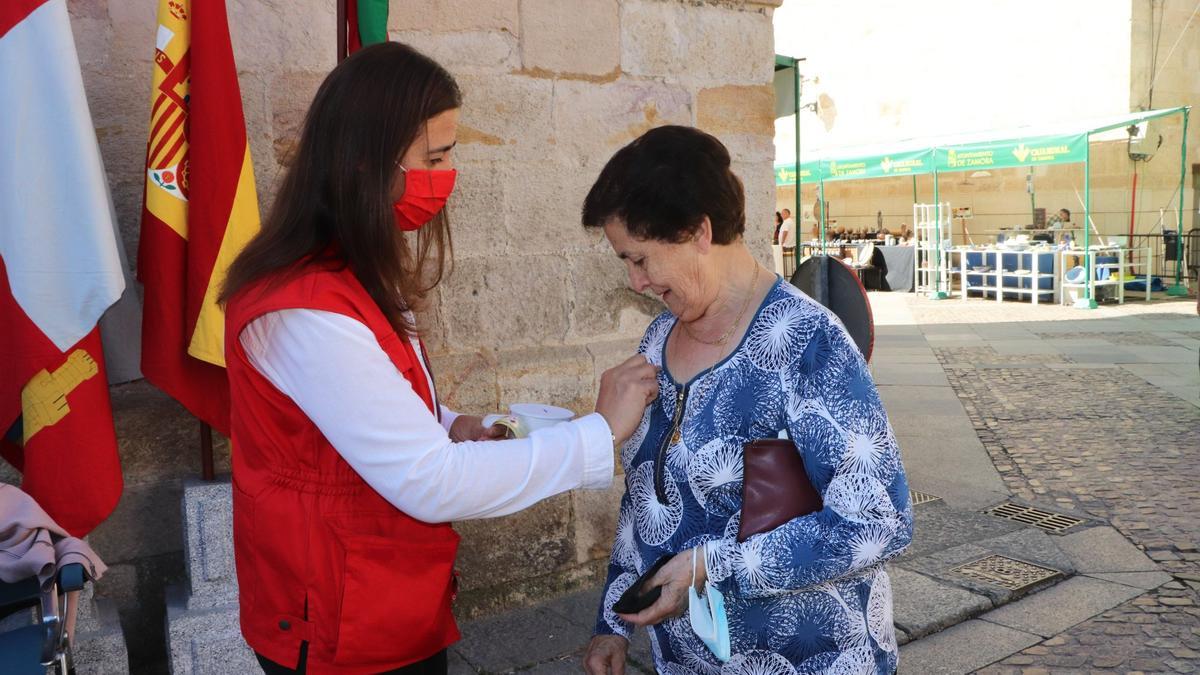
{"points": [[637, 280]]}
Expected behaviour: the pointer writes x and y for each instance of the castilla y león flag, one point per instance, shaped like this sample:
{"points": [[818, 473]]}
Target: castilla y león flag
{"points": [[200, 206], [60, 269]]}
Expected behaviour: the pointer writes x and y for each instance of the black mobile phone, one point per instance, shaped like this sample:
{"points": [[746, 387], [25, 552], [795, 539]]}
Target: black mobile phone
{"points": [[638, 597]]}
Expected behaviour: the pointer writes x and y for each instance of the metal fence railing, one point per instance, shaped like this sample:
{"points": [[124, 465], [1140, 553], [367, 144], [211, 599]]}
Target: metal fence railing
{"points": [[1164, 252], [1191, 246]]}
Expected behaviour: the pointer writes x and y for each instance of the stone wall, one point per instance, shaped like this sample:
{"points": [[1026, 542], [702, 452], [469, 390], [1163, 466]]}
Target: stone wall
{"points": [[536, 306]]}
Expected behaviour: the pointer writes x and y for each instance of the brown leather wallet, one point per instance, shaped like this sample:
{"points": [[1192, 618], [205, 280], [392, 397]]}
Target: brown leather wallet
{"points": [[775, 486]]}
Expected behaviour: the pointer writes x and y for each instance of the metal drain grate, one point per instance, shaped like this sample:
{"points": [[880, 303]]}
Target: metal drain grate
{"points": [[1005, 572], [922, 497], [1046, 520]]}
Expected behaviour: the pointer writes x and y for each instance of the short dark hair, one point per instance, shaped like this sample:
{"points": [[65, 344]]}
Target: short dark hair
{"points": [[663, 184], [1066, 211]]}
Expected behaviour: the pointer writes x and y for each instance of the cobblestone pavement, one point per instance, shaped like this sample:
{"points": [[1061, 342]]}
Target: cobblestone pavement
{"points": [[1105, 442], [1157, 632], [1098, 440]]}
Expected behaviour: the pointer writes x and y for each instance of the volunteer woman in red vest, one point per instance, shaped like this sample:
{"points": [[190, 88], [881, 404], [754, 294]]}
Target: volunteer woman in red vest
{"points": [[346, 469]]}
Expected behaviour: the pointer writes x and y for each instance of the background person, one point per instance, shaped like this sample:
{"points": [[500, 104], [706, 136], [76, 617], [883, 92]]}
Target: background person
{"points": [[1059, 221], [787, 232]]}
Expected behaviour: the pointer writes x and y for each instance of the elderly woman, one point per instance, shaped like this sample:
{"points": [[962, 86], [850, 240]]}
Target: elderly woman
{"points": [[743, 356]]}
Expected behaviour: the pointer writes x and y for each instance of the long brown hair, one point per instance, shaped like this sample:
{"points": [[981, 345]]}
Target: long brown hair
{"points": [[334, 200]]}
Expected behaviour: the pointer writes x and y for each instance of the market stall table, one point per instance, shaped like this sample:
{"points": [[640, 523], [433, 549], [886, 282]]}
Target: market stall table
{"points": [[898, 261], [1004, 271]]}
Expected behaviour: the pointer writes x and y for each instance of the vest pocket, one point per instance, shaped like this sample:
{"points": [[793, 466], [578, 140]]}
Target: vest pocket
{"points": [[395, 601], [243, 546]]}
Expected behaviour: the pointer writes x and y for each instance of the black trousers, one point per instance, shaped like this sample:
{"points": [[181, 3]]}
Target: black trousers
{"points": [[434, 665]]}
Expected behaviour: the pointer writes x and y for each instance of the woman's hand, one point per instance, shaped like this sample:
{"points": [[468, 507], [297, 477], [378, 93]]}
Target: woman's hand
{"points": [[674, 577], [470, 428], [625, 391], [605, 655]]}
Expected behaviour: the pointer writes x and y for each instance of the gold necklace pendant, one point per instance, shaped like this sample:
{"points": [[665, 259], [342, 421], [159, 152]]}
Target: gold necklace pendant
{"points": [[720, 341]]}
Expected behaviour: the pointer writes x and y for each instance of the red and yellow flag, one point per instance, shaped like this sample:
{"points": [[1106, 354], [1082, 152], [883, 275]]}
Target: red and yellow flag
{"points": [[200, 206]]}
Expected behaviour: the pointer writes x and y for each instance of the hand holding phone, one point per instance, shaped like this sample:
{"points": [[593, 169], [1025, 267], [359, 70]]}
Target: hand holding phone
{"points": [[638, 597]]}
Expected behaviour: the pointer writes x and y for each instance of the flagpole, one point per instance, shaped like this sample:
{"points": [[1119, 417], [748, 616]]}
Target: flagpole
{"points": [[206, 452], [341, 30]]}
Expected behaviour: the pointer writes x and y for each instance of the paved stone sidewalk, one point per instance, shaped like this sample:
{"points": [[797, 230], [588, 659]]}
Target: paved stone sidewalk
{"points": [[1155, 632], [1102, 441], [1098, 416]]}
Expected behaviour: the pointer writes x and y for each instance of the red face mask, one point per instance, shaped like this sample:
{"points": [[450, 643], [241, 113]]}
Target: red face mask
{"points": [[425, 194]]}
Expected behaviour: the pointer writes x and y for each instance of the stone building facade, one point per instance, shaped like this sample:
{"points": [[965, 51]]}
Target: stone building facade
{"points": [[535, 308]]}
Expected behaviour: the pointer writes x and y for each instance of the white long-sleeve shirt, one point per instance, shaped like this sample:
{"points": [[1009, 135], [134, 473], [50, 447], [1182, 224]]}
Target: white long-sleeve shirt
{"points": [[333, 368]]}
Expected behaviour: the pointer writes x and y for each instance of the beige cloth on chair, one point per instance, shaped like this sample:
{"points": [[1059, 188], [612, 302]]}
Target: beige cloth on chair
{"points": [[31, 543]]}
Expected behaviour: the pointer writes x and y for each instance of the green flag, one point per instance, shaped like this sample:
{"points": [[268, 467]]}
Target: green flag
{"points": [[372, 21]]}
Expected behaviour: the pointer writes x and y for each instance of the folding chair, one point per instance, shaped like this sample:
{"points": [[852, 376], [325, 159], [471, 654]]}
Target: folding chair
{"points": [[864, 267]]}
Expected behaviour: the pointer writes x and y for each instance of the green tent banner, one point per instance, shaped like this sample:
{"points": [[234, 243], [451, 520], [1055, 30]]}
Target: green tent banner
{"points": [[879, 166], [1060, 149], [1068, 149], [785, 174], [1007, 154]]}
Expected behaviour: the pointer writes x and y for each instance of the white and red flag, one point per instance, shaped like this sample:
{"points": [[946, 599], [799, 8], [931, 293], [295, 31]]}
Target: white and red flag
{"points": [[60, 269]]}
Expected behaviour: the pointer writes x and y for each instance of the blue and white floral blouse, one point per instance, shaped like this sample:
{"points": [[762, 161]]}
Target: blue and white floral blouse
{"points": [[810, 596]]}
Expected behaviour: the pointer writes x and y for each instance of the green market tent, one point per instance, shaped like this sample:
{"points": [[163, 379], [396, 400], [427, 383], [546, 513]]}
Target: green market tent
{"points": [[999, 149]]}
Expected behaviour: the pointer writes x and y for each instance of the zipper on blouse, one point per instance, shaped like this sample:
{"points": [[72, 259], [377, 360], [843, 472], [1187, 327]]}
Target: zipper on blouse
{"points": [[673, 436]]}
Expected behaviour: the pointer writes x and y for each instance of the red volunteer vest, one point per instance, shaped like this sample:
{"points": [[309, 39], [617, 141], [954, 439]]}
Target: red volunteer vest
{"points": [[321, 557]]}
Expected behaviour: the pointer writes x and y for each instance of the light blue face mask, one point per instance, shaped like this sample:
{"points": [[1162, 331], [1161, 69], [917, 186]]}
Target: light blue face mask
{"points": [[707, 614]]}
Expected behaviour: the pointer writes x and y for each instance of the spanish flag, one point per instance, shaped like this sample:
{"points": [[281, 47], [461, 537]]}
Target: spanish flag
{"points": [[60, 270], [200, 206]]}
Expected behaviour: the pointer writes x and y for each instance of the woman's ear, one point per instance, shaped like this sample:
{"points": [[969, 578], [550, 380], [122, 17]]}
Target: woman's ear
{"points": [[703, 236], [396, 189]]}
